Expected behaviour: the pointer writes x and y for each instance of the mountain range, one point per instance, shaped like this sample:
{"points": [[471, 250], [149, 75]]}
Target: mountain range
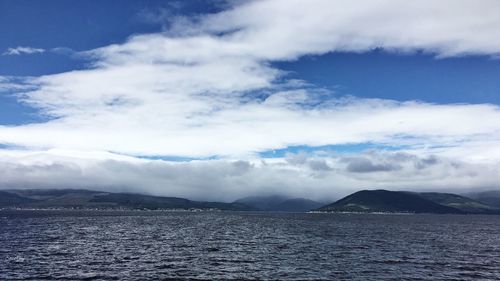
{"points": [[365, 201], [75, 198], [71, 198]]}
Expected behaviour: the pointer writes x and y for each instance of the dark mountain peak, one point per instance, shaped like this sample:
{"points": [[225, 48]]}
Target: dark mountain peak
{"points": [[387, 201]]}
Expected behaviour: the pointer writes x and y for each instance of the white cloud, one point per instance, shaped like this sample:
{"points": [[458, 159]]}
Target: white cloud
{"points": [[206, 87], [286, 29], [22, 51], [316, 178], [203, 127]]}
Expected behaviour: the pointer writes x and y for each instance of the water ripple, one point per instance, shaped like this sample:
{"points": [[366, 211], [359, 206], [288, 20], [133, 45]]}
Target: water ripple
{"points": [[121, 245]]}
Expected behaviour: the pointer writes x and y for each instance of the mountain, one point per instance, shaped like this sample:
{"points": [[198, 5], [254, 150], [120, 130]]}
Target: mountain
{"points": [[44, 198], [388, 201], [361, 201], [491, 198], [9, 199], [297, 205], [155, 202], [262, 203], [69, 198], [280, 203], [462, 203]]}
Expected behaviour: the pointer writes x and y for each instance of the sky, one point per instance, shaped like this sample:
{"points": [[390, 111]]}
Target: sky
{"points": [[217, 100]]}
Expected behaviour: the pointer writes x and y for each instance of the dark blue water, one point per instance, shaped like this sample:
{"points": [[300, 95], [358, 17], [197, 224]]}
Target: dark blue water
{"points": [[122, 245]]}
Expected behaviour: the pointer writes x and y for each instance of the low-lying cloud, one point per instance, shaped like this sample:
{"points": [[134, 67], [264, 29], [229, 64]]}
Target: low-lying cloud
{"points": [[324, 178]]}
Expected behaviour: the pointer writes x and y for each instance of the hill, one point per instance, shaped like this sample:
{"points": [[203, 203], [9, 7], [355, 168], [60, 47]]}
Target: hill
{"points": [[368, 201], [362, 201], [462, 203], [491, 198], [8, 199], [69, 198]]}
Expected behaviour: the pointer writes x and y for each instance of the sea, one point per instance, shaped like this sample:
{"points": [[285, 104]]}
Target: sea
{"points": [[161, 245]]}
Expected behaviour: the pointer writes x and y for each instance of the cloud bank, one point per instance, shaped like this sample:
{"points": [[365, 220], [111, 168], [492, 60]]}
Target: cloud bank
{"points": [[206, 87], [320, 178]]}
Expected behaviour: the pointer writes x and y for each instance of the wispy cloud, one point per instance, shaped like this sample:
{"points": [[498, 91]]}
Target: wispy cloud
{"points": [[22, 51]]}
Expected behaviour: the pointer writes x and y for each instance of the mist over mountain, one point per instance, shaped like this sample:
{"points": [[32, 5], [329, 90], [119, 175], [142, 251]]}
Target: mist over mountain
{"points": [[280, 203]]}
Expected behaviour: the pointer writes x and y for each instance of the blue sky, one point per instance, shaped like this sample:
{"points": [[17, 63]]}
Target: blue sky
{"points": [[384, 92], [83, 25], [75, 25], [413, 76], [376, 74]]}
